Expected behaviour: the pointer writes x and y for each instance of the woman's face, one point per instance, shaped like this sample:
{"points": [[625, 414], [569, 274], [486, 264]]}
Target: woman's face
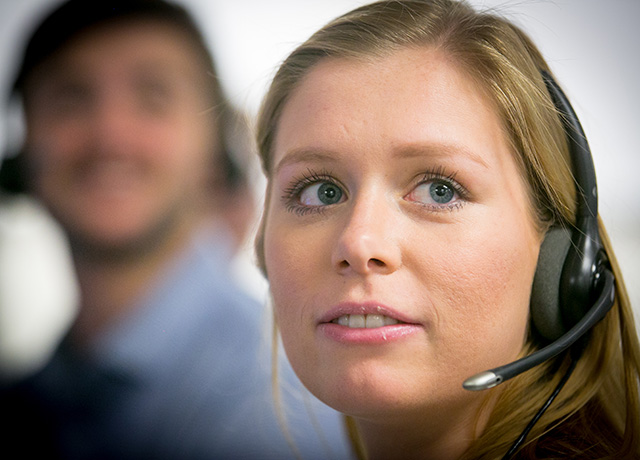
{"points": [[399, 240]]}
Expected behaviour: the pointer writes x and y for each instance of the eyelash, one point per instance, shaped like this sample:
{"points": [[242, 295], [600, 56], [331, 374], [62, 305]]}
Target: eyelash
{"points": [[292, 193], [440, 174]]}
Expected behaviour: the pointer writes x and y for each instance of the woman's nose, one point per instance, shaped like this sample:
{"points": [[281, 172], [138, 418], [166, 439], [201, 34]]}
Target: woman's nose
{"points": [[368, 242]]}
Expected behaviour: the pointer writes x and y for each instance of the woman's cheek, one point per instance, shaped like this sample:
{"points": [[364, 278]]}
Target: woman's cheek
{"points": [[287, 274], [484, 295]]}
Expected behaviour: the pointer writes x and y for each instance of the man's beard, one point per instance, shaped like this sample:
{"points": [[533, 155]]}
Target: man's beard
{"points": [[96, 250]]}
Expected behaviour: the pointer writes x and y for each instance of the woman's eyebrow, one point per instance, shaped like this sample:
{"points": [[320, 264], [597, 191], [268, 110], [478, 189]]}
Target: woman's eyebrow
{"points": [[439, 150], [414, 150], [305, 155]]}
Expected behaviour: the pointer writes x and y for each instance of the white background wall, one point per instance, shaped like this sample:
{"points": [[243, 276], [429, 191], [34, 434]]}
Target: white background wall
{"points": [[591, 45]]}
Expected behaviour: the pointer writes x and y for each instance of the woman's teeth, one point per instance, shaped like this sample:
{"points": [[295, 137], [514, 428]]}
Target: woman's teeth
{"points": [[365, 321]]}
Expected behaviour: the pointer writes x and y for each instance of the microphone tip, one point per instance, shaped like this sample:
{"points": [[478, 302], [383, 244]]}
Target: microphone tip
{"points": [[482, 381]]}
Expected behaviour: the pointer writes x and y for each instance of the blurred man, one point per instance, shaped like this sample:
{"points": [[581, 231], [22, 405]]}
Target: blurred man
{"points": [[125, 145]]}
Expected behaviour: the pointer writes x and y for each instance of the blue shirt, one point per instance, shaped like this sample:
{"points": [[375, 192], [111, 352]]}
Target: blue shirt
{"points": [[185, 376]]}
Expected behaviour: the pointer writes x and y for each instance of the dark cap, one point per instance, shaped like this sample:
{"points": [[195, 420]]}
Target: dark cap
{"points": [[74, 17]]}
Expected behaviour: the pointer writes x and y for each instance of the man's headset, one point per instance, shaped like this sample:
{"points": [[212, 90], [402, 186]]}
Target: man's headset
{"points": [[573, 287]]}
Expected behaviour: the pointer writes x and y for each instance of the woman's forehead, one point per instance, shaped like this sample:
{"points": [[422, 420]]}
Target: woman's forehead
{"points": [[412, 97]]}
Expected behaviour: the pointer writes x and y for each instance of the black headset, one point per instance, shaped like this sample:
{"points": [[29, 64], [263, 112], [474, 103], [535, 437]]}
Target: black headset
{"points": [[573, 277], [574, 286]]}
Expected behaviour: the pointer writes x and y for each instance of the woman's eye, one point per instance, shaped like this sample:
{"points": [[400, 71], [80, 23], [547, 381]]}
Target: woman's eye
{"points": [[312, 193], [320, 194], [435, 193]]}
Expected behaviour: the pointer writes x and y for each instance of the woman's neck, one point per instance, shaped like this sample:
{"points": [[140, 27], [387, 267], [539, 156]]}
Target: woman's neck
{"points": [[429, 434]]}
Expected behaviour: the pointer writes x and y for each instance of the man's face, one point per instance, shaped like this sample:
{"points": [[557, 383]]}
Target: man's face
{"points": [[120, 134]]}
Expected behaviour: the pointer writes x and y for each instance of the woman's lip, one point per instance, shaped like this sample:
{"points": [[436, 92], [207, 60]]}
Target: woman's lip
{"points": [[364, 336], [363, 308]]}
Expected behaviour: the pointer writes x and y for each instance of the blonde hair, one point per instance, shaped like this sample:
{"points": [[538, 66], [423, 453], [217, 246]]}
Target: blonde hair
{"points": [[597, 415]]}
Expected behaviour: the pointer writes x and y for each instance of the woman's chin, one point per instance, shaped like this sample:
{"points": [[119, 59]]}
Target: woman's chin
{"points": [[372, 394]]}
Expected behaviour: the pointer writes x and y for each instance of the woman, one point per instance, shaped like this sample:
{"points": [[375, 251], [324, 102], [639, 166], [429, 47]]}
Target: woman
{"points": [[415, 162]]}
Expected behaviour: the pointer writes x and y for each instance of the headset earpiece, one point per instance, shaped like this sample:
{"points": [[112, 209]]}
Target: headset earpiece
{"points": [[546, 312]]}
